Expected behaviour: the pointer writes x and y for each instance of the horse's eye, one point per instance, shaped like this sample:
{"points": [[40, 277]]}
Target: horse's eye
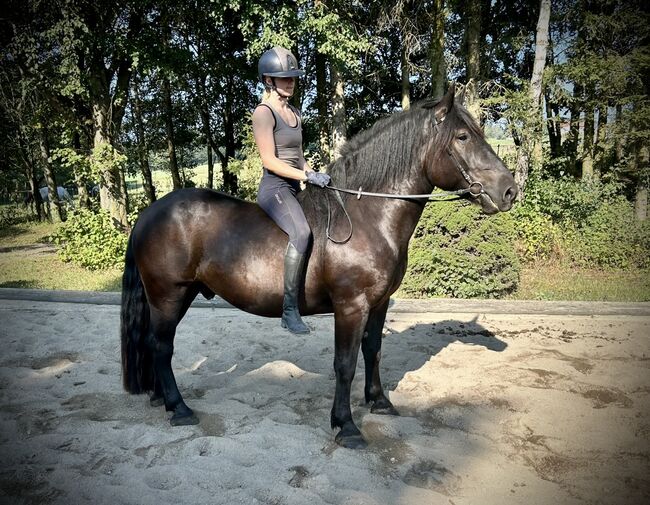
{"points": [[463, 137]]}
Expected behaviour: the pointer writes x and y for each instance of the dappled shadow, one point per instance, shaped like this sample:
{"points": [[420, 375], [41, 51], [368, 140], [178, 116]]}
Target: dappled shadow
{"points": [[23, 284], [13, 230], [114, 284], [39, 248]]}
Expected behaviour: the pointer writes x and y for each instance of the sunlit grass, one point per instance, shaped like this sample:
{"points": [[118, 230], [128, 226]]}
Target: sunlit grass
{"points": [[27, 260], [552, 282], [47, 271]]}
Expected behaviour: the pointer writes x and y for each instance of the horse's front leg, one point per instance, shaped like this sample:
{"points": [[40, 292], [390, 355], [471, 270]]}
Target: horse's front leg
{"points": [[371, 347], [348, 328]]}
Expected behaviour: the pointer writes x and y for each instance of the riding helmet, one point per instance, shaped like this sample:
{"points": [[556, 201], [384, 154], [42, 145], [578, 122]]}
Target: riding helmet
{"points": [[278, 62]]}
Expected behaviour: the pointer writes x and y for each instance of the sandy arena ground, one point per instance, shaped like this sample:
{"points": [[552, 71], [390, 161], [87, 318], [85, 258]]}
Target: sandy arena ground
{"points": [[500, 403]]}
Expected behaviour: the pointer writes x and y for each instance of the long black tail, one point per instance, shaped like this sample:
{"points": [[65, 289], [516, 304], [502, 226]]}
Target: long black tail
{"points": [[137, 365]]}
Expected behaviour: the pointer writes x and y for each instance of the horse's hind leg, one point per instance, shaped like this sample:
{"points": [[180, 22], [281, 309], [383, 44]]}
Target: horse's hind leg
{"points": [[371, 347], [157, 398], [161, 341]]}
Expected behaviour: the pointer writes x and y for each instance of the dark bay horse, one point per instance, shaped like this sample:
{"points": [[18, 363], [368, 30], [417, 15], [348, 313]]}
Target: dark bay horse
{"points": [[201, 241]]}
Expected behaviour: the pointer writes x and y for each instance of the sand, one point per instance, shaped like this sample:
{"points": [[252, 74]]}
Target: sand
{"points": [[498, 407]]}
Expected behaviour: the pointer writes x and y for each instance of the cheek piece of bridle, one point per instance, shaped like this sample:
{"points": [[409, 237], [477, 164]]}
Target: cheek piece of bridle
{"points": [[474, 189]]}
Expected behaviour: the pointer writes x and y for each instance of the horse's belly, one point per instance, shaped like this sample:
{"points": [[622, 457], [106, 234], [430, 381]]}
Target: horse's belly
{"points": [[257, 286]]}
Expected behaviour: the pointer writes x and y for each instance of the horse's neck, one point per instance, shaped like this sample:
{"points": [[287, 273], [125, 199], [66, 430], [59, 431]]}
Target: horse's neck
{"points": [[394, 219]]}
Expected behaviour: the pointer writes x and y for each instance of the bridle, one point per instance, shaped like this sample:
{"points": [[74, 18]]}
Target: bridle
{"points": [[474, 189]]}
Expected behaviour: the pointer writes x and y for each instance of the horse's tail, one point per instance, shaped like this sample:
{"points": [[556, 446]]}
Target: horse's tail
{"points": [[137, 365]]}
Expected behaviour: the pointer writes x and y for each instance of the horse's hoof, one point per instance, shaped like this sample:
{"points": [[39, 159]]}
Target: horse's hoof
{"points": [[350, 437], [185, 420], [383, 408], [351, 441], [156, 401], [183, 416]]}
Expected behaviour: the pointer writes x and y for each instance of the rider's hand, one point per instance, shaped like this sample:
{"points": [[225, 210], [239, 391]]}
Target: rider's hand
{"points": [[318, 179]]}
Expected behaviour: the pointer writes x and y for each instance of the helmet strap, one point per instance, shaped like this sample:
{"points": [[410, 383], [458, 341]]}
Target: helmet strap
{"points": [[270, 87]]}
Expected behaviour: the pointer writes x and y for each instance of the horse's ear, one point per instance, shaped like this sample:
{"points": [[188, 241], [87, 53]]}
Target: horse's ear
{"points": [[445, 104], [460, 97]]}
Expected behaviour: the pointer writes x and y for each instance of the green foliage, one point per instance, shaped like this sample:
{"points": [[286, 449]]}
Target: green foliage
{"points": [[456, 251], [538, 235], [105, 159], [90, 240], [74, 162], [248, 167], [12, 215], [609, 237], [587, 223]]}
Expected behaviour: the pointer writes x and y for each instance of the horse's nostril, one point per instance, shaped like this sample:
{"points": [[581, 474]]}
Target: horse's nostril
{"points": [[510, 194]]}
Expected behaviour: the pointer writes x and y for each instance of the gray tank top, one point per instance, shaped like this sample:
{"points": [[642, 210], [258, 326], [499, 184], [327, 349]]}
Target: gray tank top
{"points": [[288, 148]]}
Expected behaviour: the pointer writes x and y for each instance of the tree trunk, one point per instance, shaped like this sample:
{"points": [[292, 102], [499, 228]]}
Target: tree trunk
{"points": [[588, 146], [406, 83], [641, 196], [210, 181], [143, 150], [169, 128], [108, 90], [230, 184], [50, 179], [207, 130], [339, 128], [618, 143], [641, 202], [29, 163], [436, 49], [553, 127], [79, 179], [321, 104], [473, 60], [530, 149]]}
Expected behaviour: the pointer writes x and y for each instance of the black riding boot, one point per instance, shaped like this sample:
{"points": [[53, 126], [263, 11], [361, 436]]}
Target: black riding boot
{"points": [[293, 267]]}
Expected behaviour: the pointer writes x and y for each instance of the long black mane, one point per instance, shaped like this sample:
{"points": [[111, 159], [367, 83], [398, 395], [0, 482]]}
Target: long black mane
{"points": [[387, 153], [379, 158]]}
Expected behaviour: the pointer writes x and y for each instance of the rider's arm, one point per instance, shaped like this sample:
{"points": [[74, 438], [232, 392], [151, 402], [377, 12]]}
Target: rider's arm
{"points": [[263, 124], [304, 165]]}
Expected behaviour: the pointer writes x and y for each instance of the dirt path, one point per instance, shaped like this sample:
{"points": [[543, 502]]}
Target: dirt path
{"points": [[498, 406]]}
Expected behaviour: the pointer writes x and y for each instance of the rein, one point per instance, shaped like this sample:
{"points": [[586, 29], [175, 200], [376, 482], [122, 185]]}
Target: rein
{"points": [[475, 189]]}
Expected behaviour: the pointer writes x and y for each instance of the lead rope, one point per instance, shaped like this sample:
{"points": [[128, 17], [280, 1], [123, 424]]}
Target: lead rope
{"points": [[432, 197], [329, 216]]}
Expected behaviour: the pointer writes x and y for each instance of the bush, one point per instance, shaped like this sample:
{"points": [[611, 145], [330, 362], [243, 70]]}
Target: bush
{"points": [[90, 240], [457, 251], [610, 237], [539, 237], [12, 215], [585, 222]]}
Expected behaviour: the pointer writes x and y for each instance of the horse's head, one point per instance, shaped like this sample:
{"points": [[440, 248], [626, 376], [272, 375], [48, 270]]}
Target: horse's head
{"points": [[461, 158]]}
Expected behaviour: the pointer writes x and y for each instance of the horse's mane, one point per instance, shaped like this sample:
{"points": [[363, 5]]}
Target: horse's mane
{"points": [[378, 158]]}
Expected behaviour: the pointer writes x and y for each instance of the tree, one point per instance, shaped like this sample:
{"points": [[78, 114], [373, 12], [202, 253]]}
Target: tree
{"points": [[473, 57], [436, 49], [141, 139], [529, 152]]}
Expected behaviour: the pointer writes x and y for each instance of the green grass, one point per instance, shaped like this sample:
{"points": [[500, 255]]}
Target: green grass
{"points": [[163, 182], [549, 282], [27, 260]]}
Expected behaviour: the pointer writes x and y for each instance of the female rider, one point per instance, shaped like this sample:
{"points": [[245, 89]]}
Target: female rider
{"points": [[277, 129]]}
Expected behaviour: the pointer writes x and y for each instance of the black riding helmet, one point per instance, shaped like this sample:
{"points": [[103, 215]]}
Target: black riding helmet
{"points": [[278, 62]]}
